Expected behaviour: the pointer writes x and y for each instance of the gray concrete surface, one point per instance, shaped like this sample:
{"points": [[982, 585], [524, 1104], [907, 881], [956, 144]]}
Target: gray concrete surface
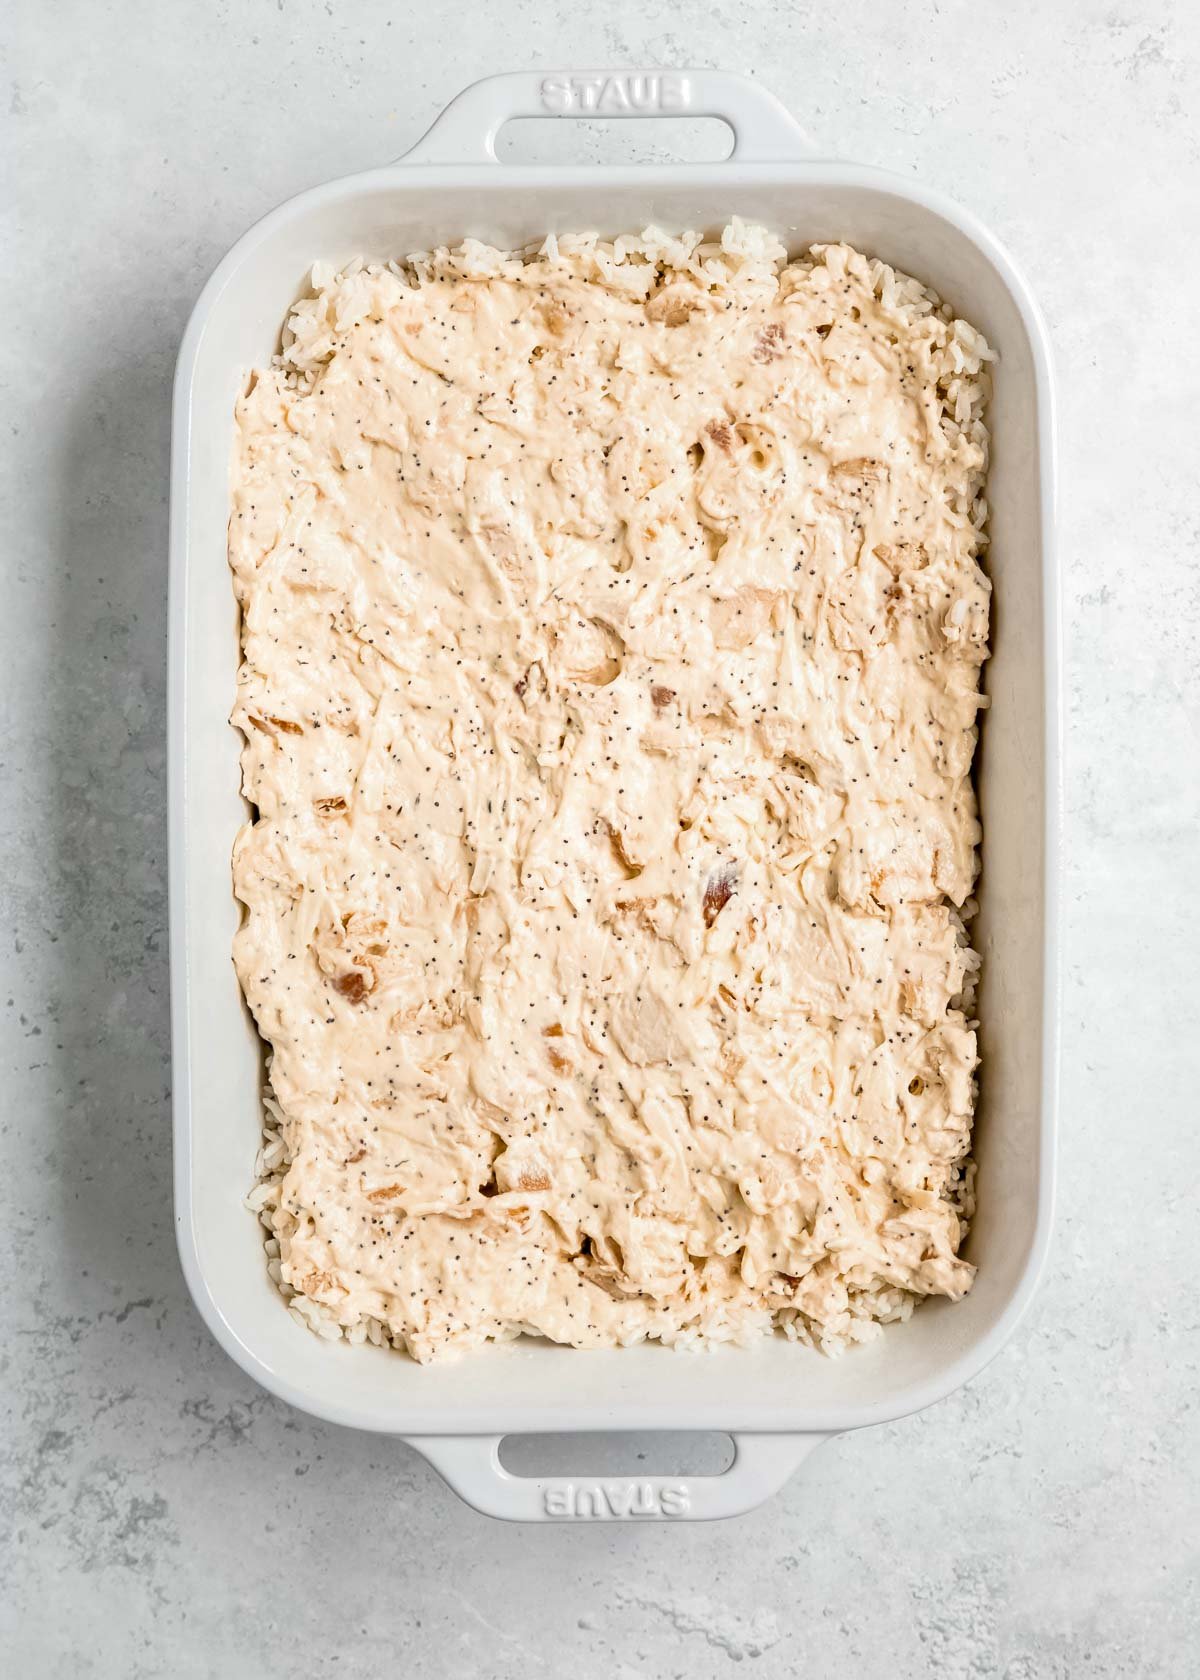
{"points": [[161, 1517]]}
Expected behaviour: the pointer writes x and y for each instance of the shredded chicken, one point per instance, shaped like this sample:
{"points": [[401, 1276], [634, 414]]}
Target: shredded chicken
{"points": [[612, 626]]}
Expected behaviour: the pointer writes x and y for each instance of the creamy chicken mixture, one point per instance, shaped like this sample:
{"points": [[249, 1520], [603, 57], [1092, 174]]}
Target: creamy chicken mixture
{"points": [[612, 626]]}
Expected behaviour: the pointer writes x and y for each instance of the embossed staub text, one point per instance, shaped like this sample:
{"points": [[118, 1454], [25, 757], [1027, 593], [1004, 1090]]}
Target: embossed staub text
{"points": [[654, 90], [605, 1501]]}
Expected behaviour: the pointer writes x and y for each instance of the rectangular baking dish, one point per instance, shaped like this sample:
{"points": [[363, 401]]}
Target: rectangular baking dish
{"points": [[777, 1400]]}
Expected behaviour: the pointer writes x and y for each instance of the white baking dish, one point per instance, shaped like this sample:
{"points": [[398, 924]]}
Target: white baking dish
{"points": [[777, 1400]]}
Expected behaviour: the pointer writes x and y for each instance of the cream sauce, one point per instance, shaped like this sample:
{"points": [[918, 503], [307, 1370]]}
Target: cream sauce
{"points": [[612, 626]]}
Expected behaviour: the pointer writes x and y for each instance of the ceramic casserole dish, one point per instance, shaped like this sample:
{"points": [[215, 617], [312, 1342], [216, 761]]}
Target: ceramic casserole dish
{"points": [[777, 1400]]}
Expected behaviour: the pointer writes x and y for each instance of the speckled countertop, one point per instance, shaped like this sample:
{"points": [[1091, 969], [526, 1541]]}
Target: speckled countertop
{"points": [[159, 1516]]}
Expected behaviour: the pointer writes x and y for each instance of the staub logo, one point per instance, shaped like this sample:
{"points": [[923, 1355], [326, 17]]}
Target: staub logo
{"points": [[604, 1501], [651, 91]]}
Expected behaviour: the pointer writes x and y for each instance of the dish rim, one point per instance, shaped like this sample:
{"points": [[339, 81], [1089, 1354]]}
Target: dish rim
{"points": [[723, 180]]}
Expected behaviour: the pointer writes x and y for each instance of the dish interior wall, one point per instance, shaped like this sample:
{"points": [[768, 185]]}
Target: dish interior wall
{"points": [[528, 1385]]}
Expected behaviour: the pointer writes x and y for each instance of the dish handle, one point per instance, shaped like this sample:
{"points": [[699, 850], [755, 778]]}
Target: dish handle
{"points": [[470, 1465], [764, 130]]}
